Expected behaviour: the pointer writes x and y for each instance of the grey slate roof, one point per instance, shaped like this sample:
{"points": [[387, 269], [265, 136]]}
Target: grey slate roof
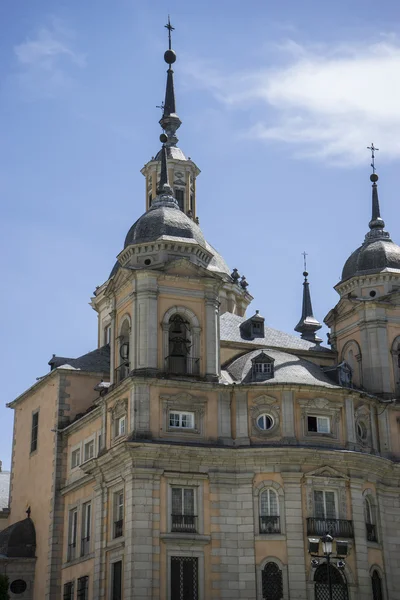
{"points": [[372, 258], [97, 361], [287, 369], [18, 540], [4, 488], [230, 332], [172, 152]]}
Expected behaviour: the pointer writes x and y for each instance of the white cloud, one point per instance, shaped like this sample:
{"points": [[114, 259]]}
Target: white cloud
{"points": [[46, 61], [328, 103]]}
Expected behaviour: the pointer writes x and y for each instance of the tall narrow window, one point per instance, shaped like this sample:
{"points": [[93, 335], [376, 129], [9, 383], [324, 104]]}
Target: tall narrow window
{"points": [[123, 370], [184, 578], [68, 591], [180, 198], [83, 588], [324, 504], [272, 582], [269, 512], [86, 528], [118, 514], [369, 520], [183, 512], [72, 533], [34, 431], [88, 450], [376, 586], [180, 359], [117, 580]]}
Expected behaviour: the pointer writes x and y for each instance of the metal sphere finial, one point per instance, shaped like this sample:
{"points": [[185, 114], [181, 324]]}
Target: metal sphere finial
{"points": [[170, 56], [374, 177]]}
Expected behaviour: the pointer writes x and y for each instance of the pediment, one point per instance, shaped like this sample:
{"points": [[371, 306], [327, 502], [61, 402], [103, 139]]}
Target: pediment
{"points": [[326, 472], [184, 267]]}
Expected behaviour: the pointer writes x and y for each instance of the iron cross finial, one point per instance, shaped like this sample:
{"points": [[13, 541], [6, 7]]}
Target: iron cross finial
{"points": [[304, 255], [161, 106], [170, 29], [373, 150]]}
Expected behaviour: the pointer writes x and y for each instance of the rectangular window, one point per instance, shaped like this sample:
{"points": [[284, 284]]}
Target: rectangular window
{"points": [[68, 591], [83, 588], [183, 420], [180, 198], [120, 426], [117, 580], [86, 528], [183, 517], [75, 458], [72, 533], [184, 578], [34, 431], [118, 514], [318, 424], [99, 442], [107, 334], [88, 451], [263, 367], [324, 504]]}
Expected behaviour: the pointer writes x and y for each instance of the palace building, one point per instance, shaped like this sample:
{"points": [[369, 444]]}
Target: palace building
{"points": [[198, 454]]}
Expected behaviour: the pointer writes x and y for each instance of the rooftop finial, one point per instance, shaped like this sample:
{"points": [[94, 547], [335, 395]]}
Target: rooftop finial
{"points": [[373, 150], [170, 121], [376, 223], [308, 324]]}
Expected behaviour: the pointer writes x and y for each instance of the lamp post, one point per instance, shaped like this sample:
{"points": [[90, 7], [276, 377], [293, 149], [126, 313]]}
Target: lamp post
{"points": [[327, 549]]}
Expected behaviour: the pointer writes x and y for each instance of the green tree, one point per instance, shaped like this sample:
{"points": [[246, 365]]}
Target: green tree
{"points": [[4, 588]]}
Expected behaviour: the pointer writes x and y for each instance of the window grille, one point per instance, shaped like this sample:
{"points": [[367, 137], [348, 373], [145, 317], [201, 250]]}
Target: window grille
{"points": [[338, 584], [376, 586], [68, 591], [272, 582], [117, 580], [184, 578], [83, 588]]}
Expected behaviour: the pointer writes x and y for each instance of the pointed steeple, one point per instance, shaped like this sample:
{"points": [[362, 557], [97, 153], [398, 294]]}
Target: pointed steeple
{"points": [[376, 224], [308, 324], [170, 121]]}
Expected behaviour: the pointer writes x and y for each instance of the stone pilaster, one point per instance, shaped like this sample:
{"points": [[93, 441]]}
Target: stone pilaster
{"points": [[374, 430], [112, 345], [99, 538], [384, 430], [212, 334], [140, 409], [288, 416], [360, 540], [224, 417], [141, 519], [242, 421], [350, 423], [232, 534], [295, 536], [146, 321], [133, 335], [389, 510]]}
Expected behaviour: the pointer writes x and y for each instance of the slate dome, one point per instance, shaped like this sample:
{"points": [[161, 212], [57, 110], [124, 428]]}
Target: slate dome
{"points": [[164, 221], [372, 258]]}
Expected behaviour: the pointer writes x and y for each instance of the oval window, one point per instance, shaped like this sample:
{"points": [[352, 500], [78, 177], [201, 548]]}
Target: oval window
{"points": [[361, 430], [18, 586], [265, 422]]}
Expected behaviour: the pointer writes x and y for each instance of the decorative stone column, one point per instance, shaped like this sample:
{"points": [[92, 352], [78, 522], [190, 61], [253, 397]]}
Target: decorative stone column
{"points": [[232, 536], [360, 540], [295, 535]]}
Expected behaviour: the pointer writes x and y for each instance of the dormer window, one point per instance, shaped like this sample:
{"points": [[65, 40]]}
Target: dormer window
{"points": [[253, 327], [263, 367]]}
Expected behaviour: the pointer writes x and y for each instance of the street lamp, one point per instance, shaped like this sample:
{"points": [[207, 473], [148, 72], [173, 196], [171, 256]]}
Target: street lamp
{"points": [[327, 549]]}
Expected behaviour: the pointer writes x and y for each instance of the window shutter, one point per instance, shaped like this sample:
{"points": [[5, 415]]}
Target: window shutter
{"points": [[188, 498], [176, 501], [319, 504], [330, 505]]}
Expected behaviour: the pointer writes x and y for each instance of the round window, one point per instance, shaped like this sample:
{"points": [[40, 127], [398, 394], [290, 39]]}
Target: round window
{"points": [[147, 261], [372, 293], [265, 422], [18, 586], [361, 430]]}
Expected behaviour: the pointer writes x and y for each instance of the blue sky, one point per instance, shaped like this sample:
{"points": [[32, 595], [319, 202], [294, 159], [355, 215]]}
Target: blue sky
{"points": [[278, 101]]}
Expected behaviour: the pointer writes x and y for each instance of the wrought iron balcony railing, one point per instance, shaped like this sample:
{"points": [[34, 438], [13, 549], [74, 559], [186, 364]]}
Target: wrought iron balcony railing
{"points": [[184, 523], [71, 554], [85, 546], [371, 532], [270, 524], [335, 527], [118, 528], [121, 373], [182, 365]]}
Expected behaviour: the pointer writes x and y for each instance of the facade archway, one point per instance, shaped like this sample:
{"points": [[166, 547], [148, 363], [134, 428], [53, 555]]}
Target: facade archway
{"points": [[338, 583], [351, 354], [181, 341]]}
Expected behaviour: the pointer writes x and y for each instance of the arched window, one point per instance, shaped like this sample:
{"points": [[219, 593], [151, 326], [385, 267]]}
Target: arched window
{"points": [[122, 370], [269, 512], [351, 354], [180, 359], [376, 582], [396, 364], [369, 514], [338, 583], [272, 582]]}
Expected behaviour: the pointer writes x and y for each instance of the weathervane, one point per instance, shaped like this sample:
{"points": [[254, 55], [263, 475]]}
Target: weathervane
{"points": [[170, 29], [304, 255], [373, 150]]}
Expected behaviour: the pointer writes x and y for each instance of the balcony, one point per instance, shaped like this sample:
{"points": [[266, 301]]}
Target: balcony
{"points": [[118, 528], [184, 523], [85, 546], [71, 554], [270, 525], [335, 527], [371, 532], [121, 373], [182, 365]]}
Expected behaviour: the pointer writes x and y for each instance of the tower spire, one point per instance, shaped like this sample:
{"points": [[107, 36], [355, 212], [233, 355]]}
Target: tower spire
{"points": [[308, 324], [376, 224], [170, 122], [165, 195]]}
